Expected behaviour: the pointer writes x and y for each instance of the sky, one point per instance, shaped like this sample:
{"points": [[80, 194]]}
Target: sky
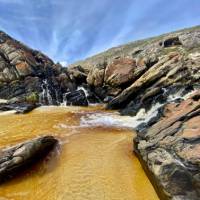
{"points": [[71, 30]]}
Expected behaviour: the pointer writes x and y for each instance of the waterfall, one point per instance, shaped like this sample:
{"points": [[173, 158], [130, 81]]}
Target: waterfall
{"points": [[64, 103], [45, 96], [90, 97], [67, 102], [84, 90]]}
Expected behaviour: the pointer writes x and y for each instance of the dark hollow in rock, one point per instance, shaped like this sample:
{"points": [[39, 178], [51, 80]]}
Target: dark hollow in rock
{"points": [[171, 42], [17, 158]]}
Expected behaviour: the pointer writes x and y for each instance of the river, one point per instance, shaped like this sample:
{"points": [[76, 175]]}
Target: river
{"points": [[93, 161]]}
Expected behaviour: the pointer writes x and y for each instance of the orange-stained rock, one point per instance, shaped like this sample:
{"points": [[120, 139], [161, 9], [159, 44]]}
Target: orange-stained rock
{"points": [[120, 71], [24, 69]]}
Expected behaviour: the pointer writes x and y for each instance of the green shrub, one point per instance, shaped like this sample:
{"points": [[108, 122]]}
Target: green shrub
{"points": [[32, 97]]}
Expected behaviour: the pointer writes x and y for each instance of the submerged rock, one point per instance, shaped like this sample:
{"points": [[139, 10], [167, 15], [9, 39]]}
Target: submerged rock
{"points": [[19, 157], [169, 150], [20, 108]]}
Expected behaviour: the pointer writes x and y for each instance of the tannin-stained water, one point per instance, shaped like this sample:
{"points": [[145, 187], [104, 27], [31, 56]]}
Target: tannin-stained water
{"points": [[92, 162]]}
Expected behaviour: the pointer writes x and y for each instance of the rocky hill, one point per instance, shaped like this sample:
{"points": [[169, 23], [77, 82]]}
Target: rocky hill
{"points": [[145, 64], [28, 76]]}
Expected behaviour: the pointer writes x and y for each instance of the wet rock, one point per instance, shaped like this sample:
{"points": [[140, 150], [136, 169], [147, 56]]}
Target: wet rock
{"points": [[21, 156], [20, 108], [171, 70], [76, 98], [78, 74], [92, 98], [66, 83], [169, 150], [23, 71], [107, 99]]}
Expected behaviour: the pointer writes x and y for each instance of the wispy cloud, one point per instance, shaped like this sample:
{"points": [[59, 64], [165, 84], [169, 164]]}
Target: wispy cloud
{"points": [[74, 29], [12, 1]]}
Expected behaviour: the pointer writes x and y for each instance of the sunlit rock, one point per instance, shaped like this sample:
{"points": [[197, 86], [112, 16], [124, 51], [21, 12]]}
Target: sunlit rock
{"points": [[21, 156]]}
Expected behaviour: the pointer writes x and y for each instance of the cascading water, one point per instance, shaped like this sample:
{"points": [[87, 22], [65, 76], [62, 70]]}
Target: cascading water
{"points": [[84, 90], [116, 120], [64, 103], [142, 117], [92, 100], [80, 96], [45, 96]]}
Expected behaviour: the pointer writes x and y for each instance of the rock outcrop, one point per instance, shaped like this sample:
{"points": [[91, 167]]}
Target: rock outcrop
{"points": [[15, 158], [76, 98], [128, 72], [169, 150], [29, 76]]}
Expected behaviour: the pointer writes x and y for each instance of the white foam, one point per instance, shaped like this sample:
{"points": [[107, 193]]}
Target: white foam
{"points": [[3, 101], [106, 120], [84, 90], [7, 112], [116, 120]]}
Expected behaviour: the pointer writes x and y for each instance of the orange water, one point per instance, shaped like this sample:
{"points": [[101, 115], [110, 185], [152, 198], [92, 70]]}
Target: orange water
{"points": [[91, 163]]}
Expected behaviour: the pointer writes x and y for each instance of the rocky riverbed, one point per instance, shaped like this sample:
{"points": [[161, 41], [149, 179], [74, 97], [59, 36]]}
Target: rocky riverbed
{"points": [[156, 81]]}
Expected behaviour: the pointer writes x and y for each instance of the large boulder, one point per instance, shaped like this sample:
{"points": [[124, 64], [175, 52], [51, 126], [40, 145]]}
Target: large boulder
{"points": [[76, 98], [20, 108], [21, 156], [96, 75], [120, 72]]}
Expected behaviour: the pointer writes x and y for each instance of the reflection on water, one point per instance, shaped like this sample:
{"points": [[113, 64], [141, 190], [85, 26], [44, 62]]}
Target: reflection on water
{"points": [[93, 162]]}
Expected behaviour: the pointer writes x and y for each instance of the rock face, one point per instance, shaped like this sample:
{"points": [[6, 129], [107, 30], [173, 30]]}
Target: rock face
{"points": [[169, 150], [76, 98], [172, 69], [15, 158], [128, 72], [27, 75]]}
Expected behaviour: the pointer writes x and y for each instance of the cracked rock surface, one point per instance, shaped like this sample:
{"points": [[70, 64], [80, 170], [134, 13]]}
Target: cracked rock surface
{"points": [[16, 158], [170, 150]]}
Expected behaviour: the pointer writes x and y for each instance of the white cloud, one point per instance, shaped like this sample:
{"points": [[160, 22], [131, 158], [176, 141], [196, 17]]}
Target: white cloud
{"points": [[63, 63]]}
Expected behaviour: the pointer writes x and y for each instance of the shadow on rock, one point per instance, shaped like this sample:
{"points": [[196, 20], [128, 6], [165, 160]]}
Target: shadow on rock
{"points": [[19, 158]]}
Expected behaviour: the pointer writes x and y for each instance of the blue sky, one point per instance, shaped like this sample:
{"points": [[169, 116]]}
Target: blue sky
{"points": [[70, 30]]}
